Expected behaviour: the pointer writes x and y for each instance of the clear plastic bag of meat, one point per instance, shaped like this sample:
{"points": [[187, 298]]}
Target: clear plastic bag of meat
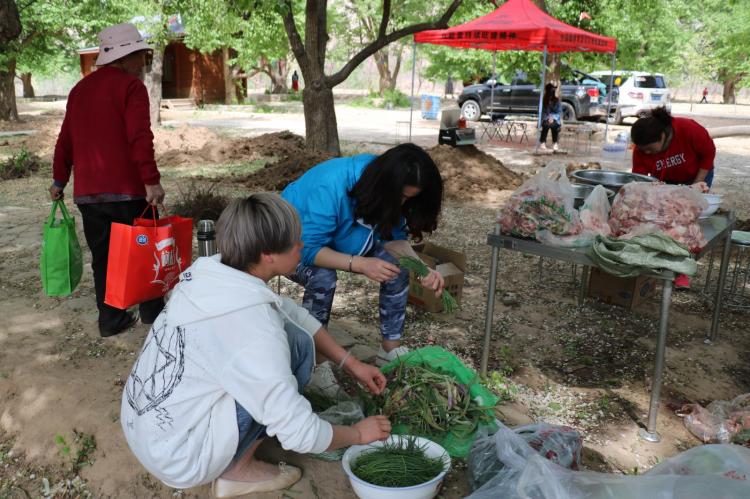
{"points": [[715, 471], [594, 217], [719, 421], [673, 209], [560, 444], [543, 202], [595, 211]]}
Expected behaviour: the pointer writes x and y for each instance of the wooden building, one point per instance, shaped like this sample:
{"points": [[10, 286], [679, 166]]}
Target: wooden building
{"points": [[186, 74]]}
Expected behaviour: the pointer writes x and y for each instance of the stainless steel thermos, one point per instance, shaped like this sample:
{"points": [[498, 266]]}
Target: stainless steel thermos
{"points": [[206, 238]]}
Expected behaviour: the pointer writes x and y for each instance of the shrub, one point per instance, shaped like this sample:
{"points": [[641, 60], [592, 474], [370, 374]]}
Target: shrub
{"points": [[396, 98], [20, 165], [389, 100], [200, 202]]}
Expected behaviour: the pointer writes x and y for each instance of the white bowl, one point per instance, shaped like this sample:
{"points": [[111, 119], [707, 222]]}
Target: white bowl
{"points": [[714, 201], [425, 490]]}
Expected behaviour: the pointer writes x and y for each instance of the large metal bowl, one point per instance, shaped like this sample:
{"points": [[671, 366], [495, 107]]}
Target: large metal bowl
{"points": [[610, 179], [582, 191]]}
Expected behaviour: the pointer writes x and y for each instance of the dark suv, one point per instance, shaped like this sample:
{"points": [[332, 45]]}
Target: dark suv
{"points": [[579, 99]]}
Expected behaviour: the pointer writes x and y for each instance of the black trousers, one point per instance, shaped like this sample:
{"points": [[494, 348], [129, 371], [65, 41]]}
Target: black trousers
{"points": [[555, 127], [97, 220]]}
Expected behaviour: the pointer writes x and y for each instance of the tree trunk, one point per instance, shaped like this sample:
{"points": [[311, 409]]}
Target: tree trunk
{"points": [[278, 71], [240, 90], [317, 96], [153, 85], [387, 80], [10, 23], [729, 85], [553, 70], [321, 130], [28, 89], [8, 110], [229, 89]]}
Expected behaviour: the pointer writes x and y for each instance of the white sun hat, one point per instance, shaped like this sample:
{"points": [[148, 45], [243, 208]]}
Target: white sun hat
{"points": [[118, 41]]}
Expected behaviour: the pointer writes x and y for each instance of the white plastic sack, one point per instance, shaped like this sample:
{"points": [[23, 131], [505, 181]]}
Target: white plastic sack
{"points": [[543, 202], [709, 471]]}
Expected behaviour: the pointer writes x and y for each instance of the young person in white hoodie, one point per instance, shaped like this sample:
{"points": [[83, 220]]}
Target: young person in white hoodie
{"points": [[224, 364]]}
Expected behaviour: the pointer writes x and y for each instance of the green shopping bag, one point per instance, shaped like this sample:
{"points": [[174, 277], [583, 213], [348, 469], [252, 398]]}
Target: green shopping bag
{"points": [[61, 263]]}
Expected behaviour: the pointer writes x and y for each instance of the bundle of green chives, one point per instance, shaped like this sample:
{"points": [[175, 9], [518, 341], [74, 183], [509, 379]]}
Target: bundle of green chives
{"points": [[398, 463], [429, 403], [417, 266]]}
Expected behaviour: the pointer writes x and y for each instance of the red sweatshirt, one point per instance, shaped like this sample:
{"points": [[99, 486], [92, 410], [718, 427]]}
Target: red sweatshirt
{"points": [[690, 150], [106, 136]]}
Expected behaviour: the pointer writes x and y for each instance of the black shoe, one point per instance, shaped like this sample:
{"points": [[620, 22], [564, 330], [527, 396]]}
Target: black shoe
{"points": [[128, 319], [150, 310]]}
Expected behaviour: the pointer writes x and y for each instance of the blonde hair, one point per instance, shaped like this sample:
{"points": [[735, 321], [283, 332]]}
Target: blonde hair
{"points": [[261, 223]]}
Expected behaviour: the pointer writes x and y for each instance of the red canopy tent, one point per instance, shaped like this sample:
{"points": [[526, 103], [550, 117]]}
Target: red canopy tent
{"points": [[520, 25]]}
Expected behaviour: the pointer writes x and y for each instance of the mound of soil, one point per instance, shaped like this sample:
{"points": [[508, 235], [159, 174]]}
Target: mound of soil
{"points": [[276, 176], [468, 173], [185, 145], [46, 129], [286, 151], [472, 175]]}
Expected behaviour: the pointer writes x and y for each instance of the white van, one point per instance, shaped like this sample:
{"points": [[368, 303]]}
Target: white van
{"points": [[635, 92]]}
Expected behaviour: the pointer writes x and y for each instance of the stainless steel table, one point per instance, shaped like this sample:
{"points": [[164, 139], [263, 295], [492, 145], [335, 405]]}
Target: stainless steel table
{"points": [[716, 229]]}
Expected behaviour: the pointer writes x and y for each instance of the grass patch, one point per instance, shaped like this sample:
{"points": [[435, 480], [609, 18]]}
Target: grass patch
{"points": [[217, 171], [266, 109], [80, 452], [22, 164], [390, 99], [504, 388]]}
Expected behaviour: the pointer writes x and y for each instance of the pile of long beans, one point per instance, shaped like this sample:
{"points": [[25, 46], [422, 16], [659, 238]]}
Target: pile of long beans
{"points": [[429, 403], [417, 266], [397, 464]]}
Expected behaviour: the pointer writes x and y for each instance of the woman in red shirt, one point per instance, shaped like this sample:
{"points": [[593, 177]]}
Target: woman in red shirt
{"points": [[674, 150]]}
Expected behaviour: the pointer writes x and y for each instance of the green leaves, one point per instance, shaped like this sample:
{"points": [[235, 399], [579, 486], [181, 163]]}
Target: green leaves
{"points": [[54, 29]]}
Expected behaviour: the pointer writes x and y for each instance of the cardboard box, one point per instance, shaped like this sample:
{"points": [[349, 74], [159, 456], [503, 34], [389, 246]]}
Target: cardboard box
{"points": [[451, 264], [622, 291]]}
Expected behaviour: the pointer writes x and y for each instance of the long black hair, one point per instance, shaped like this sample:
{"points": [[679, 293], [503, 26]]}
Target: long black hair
{"points": [[648, 129], [378, 192], [549, 95]]}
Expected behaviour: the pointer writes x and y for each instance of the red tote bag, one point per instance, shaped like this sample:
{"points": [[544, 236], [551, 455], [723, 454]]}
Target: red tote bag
{"points": [[146, 258]]}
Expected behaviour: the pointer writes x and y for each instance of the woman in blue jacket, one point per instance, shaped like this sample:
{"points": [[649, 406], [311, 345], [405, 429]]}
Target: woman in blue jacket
{"points": [[356, 215], [551, 117]]}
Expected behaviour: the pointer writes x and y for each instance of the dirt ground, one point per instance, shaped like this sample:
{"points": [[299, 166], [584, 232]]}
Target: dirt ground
{"points": [[589, 367]]}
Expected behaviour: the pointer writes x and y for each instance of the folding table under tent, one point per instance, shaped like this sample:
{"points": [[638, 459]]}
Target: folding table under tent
{"points": [[518, 25]]}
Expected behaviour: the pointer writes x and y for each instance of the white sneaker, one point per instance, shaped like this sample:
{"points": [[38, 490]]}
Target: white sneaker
{"points": [[324, 382], [386, 357], [542, 147], [554, 146]]}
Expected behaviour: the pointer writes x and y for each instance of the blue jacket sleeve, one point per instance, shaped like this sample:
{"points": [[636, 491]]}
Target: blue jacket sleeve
{"points": [[319, 222]]}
